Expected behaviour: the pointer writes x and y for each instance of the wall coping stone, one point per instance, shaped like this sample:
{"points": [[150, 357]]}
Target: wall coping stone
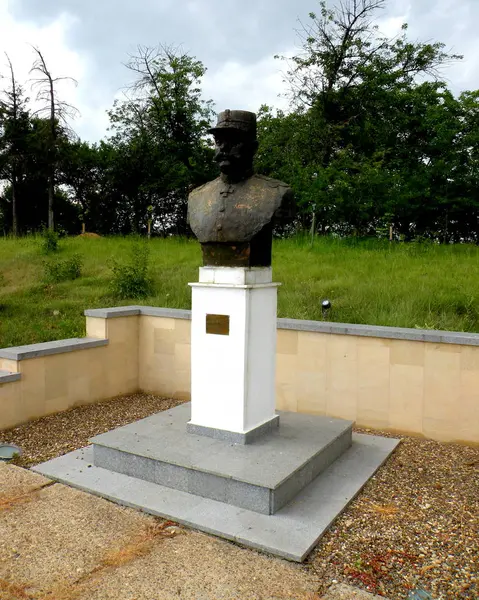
{"points": [[8, 376], [171, 313], [46, 348], [112, 313], [147, 311], [379, 331]]}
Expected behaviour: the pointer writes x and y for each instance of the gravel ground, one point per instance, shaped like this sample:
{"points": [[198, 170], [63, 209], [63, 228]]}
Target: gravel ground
{"points": [[66, 431], [414, 525]]}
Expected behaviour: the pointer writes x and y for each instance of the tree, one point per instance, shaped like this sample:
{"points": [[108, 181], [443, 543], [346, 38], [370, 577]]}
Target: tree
{"points": [[168, 82], [358, 153], [58, 112], [161, 149], [14, 123], [342, 46], [80, 169]]}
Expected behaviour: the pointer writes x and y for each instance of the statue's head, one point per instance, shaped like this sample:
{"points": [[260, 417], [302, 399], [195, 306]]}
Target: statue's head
{"points": [[236, 144]]}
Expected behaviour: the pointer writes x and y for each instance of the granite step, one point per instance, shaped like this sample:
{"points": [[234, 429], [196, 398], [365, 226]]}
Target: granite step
{"points": [[262, 476], [291, 533]]}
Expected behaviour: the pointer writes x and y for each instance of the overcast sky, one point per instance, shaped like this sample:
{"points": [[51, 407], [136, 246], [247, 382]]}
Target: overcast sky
{"points": [[236, 40]]}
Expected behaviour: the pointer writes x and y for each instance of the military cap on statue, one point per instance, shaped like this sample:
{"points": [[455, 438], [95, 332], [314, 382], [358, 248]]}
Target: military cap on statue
{"points": [[241, 120]]}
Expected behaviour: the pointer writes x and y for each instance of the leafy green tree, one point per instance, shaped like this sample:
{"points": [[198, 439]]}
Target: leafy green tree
{"points": [[14, 125], [159, 138], [362, 141]]}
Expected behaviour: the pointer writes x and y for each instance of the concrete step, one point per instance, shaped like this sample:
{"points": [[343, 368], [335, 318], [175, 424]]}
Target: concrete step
{"points": [[262, 476], [291, 533]]}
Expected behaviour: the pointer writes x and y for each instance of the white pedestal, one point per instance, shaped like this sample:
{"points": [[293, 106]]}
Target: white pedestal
{"points": [[233, 363]]}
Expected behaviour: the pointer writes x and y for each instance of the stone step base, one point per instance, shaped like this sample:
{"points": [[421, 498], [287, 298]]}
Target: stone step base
{"points": [[291, 533], [262, 476]]}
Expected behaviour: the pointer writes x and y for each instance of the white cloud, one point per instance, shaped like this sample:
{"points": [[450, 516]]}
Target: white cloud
{"points": [[246, 87], [391, 27], [232, 85], [236, 43], [17, 39]]}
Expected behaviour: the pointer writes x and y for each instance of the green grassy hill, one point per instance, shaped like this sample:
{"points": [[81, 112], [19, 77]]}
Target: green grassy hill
{"points": [[415, 285]]}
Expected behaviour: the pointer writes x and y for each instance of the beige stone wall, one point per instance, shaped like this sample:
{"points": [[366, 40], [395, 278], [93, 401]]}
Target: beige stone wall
{"points": [[423, 388], [56, 382], [408, 386], [165, 356], [10, 399], [120, 366], [417, 387]]}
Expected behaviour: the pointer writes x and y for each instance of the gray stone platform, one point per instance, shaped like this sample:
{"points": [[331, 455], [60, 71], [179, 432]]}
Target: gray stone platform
{"points": [[295, 527], [262, 476]]}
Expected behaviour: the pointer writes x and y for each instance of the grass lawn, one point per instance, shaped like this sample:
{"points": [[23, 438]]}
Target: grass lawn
{"points": [[414, 285]]}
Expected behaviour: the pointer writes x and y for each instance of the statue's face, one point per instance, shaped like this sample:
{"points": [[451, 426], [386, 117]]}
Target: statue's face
{"points": [[234, 152]]}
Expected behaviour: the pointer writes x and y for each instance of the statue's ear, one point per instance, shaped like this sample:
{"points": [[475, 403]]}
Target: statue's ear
{"points": [[254, 146]]}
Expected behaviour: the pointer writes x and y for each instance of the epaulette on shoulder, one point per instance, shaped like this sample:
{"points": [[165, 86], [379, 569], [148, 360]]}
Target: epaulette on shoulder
{"points": [[274, 183], [201, 188]]}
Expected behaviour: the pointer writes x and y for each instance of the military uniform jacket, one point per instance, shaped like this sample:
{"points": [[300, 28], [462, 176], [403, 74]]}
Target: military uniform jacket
{"points": [[219, 212]]}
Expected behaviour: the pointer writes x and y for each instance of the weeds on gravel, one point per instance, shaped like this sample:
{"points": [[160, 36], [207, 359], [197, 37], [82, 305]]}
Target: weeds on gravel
{"points": [[387, 510], [371, 569]]}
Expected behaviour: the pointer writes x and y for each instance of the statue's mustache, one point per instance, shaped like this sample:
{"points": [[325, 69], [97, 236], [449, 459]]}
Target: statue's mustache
{"points": [[226, 156]]}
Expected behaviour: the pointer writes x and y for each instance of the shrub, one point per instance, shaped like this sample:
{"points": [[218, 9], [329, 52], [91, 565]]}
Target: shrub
{"points": [[50, 241], [132, 279], [63, 270]]}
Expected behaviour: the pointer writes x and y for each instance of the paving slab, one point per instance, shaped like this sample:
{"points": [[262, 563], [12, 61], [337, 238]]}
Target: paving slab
{"points": [[9, 376], [48, 348], [15, 481], [291, 533]]}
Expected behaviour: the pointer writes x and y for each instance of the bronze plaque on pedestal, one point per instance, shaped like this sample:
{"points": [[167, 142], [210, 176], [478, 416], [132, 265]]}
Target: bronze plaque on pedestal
{"points": [[218, 324]]}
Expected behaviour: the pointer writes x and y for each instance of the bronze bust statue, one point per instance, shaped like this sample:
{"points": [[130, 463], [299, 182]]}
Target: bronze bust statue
{"points": [[233, 216]]}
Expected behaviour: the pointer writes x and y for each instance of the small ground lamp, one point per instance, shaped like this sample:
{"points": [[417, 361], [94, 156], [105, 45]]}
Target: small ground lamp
{"points": [[325, 306], [9, 451]]}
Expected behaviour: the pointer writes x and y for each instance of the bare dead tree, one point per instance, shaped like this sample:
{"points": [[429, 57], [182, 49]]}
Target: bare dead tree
{"points": [[143, 62], [58, 111]]}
